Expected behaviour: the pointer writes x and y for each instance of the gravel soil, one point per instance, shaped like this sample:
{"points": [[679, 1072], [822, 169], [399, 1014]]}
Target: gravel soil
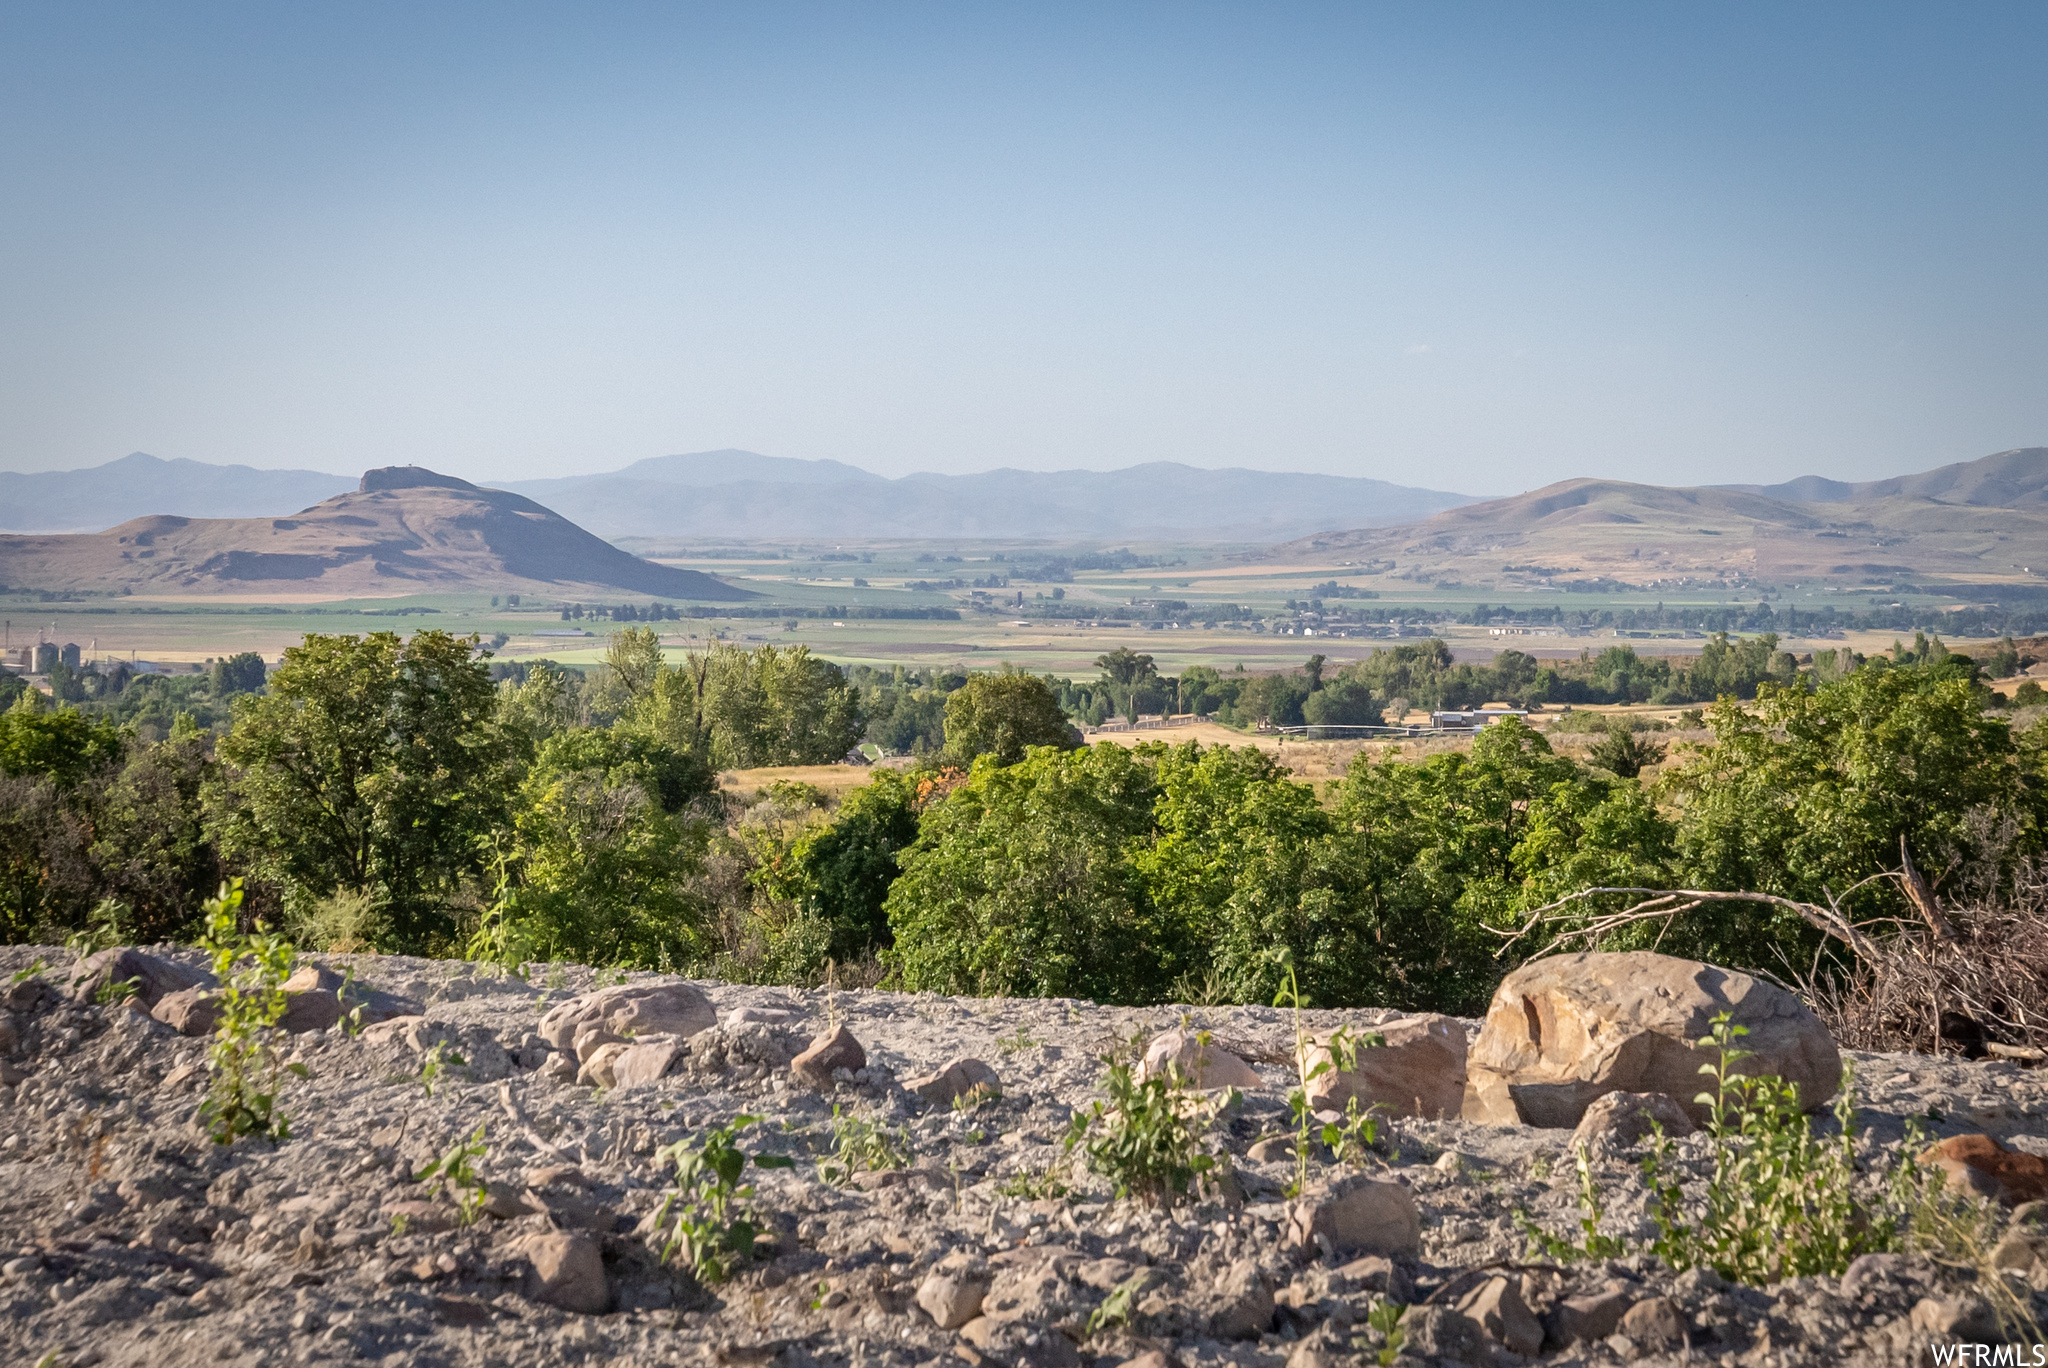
{"points": [[127, 1237]]}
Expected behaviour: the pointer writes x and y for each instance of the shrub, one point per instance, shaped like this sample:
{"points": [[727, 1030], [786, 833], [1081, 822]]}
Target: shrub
{"points": [[1148, 1140], [862, 1146], [708, 1215], [245, 1062]]}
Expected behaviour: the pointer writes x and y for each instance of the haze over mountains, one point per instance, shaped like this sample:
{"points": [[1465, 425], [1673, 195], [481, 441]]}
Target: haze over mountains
{"points": [[743, 495], [1975, 522]]}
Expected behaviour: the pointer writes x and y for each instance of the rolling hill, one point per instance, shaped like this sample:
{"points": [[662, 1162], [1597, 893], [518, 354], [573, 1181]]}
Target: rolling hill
{"points": [[1976, 523], [404, 530]]}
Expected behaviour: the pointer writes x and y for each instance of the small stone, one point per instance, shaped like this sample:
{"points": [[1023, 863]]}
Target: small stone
{"points": [[565, 1271], [1441, 1332], [835, 1049], [1271, 1149], [644, 1061], [1584, 1319], [188, 1011], [561, 1067], [1450, 1161], [27, 1266], [1623, 1119], [1243, 1303], [956, 1080], [1496, 1306], [1376, 1273], [599, 1066], [951, 1294], [1657, 1325]]}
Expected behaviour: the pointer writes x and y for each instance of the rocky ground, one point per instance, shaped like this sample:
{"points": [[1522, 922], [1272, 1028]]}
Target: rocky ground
{"points": [[129, 1238]]}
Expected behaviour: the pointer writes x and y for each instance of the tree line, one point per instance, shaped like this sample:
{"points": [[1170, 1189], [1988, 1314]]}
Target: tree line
{"points": [[388, 793]]}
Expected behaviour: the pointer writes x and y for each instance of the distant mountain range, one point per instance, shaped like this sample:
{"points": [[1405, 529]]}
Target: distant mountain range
{"points": [[138, 485], [403, 530], [743, 495]]}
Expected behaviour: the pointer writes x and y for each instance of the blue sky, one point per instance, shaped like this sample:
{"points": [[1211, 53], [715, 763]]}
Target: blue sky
{"points": [[1474, 247]]}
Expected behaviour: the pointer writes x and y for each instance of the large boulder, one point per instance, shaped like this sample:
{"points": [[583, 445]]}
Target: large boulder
{"points": [[1193, 1056], [1420, 1071], [1566, 1030], [627, 1011], [1356, 1216], [153, 975]]}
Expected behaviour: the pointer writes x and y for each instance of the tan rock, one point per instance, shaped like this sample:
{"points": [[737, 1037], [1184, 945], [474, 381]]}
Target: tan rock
{"points": [[1568, 1029], [951, 1294], [957, 1079], [1356, 1216], [564, 1270], [1979, 1164], [1271, 1149], [1656, 1325], [1625, 1118], [591, 1037], [1204, 1063], [1243, 1304], [1584, 1319], [641, 1009], [189, 1011], [598, 1067], [1420, 1071], [1964, 1319], [644, 1061], [1496, 1307], [835, 1049], [413, 1031], [153, 975]]}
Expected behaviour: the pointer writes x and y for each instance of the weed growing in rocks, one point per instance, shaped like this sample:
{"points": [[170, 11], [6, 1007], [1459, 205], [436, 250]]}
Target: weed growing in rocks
{"points": [[862, 1146], [244, 1060], [436, 1061], [708, 1216], [1148, 1140], [1349, 1140], [455, 1171], [1781, 1202], [1592, 1244], [1384, 1320]]}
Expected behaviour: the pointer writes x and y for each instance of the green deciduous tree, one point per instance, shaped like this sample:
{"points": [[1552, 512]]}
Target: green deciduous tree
{"points": [[1813, 790], [606, 844], [371, 764], [1019, 885], [1003, 715]]}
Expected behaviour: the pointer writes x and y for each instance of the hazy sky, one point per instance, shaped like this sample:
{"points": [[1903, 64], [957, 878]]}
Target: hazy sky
{"points": [[1473, 247]]}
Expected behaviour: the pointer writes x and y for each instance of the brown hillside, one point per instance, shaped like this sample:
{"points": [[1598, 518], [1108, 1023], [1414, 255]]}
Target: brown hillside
{"points": [[1981, 522], [406, 530]]}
